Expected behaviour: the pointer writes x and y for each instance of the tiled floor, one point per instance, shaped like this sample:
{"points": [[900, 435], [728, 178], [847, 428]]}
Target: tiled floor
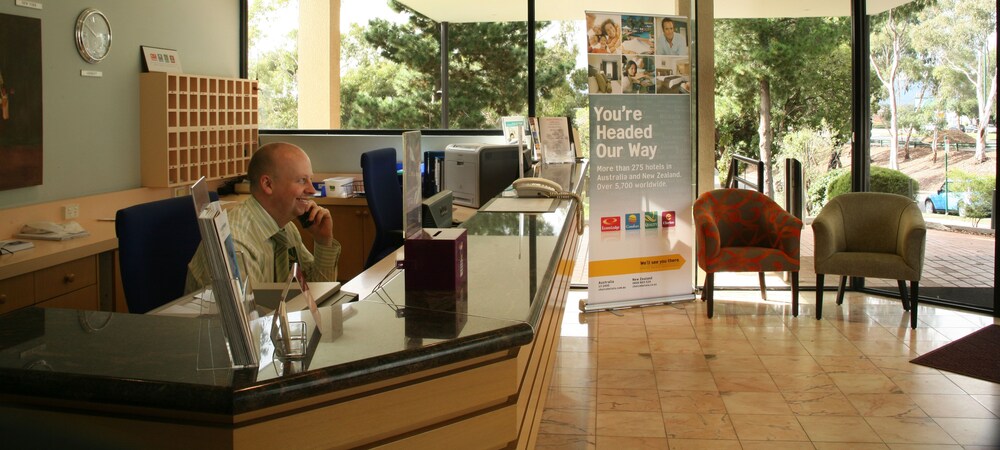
{"points": [[754, 377]]}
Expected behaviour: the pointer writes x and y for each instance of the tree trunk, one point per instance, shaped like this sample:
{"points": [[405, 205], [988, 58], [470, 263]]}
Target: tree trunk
{"points": [[766, 135], [981, 142], [906, 144], [934, 145], [834, 160], [893, 127]]}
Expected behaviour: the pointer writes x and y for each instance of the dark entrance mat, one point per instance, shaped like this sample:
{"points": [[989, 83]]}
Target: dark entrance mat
{"points": [[976, 355], [981, 297]]}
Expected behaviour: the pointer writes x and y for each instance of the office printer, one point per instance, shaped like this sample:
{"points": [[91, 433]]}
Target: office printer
{"points": [[475, 173]]}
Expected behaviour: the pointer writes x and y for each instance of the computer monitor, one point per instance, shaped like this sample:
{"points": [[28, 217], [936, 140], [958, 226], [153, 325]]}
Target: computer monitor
{"points": [[435, 211]]}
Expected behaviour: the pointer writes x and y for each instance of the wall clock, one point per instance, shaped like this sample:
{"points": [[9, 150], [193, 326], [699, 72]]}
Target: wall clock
{"points": [[93, 35]]}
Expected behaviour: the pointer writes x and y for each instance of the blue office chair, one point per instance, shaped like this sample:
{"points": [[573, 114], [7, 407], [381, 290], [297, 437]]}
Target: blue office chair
{"points": [[156, 240], [385, 200]]}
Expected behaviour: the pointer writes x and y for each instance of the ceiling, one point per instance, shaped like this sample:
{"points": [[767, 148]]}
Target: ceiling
{"points": [[457, 11]]}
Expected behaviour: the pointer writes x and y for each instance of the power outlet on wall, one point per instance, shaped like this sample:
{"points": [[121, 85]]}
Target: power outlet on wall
{"points": [[71, 211]]}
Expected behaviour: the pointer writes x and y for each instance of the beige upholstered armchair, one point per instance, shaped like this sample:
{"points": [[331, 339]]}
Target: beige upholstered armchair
{"points": [[874, 235]]}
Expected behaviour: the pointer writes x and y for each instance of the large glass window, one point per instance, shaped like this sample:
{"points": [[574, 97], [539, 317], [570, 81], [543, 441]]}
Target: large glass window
{"points": [[933, 126], [388, 68], [783, 90], [784, 87]]}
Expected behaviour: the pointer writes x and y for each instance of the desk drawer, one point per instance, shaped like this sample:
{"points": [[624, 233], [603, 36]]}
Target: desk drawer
{"points": [[17, 292], [64, 278], [85, 298]]}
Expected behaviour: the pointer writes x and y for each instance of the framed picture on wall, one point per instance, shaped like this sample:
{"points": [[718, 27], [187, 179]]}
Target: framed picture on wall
{"points": [[160, 59], [20, 101]]}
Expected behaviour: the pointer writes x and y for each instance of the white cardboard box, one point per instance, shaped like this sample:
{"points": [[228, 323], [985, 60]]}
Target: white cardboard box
{"points": [[342, 187]]}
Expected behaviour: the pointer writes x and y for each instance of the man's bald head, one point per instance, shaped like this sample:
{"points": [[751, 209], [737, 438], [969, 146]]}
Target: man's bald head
{"points": [[267, 160]]}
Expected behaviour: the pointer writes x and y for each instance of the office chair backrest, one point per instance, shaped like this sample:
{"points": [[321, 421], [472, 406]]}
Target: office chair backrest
{"points": [[385, 200], [156, 240]]}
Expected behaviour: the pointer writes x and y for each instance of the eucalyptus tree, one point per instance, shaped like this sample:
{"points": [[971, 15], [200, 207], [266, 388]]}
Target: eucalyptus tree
{"points": [[960, 36]]}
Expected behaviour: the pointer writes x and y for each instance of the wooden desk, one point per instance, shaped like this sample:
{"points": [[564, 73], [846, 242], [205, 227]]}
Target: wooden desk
{"points": [[26, 275], [67, 274]]}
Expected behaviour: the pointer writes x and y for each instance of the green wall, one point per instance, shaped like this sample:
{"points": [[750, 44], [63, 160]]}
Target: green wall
{"points": [[91, 125]]}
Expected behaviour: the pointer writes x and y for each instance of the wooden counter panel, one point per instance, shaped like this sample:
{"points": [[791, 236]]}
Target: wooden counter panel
{"points": [[419, 407], [17, 292], [39, 428], [536, 366], [479, 432]]}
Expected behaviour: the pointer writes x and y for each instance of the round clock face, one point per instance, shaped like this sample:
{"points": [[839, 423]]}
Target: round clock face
{"points": [[93, 35]]}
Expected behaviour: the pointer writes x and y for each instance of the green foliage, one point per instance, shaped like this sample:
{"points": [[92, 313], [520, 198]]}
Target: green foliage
{"points": [[486, 79], [980, 188], [959, 37], [806, 64], [882, 180], [814, 149], [274, 67], [816, 192]]}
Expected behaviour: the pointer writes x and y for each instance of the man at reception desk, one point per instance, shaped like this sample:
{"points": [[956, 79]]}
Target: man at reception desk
{"points": [[281, 190]]}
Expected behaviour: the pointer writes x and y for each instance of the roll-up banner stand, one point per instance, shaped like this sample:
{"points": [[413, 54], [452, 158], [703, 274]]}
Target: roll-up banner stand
{"points": [[641, 171]]}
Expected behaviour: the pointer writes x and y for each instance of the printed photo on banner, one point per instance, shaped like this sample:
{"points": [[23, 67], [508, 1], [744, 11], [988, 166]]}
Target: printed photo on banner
{"points": [[604, 74], [673, 75], [637, 35], [604, 34], [654, 54], [637, 75], [671, 36]]}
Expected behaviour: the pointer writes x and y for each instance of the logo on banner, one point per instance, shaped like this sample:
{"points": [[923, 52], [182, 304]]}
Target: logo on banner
{"points": [[669, 219], [632, 221], [651, 218], [611, 223]]}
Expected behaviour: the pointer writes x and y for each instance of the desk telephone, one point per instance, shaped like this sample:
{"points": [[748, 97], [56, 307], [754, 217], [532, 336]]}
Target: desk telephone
{"points": [[541, 187], [536, 187]]}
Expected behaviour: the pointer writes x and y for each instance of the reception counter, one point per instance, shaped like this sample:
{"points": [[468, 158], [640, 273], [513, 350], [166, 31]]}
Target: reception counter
{"points": [[379, 374]]}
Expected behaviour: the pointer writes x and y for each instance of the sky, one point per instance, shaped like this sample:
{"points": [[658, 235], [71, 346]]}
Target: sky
{"points": [[361, 11]]}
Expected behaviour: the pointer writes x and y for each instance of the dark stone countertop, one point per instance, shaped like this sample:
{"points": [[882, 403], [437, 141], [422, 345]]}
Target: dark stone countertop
{"points": [[179, 363]]}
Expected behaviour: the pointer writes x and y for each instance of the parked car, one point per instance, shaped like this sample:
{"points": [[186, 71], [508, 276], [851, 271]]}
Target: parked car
{"points": [[956, 201]]}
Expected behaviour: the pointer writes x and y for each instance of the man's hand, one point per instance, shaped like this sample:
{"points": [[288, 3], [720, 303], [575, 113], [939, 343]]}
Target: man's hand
{"points": [[320, 223]]}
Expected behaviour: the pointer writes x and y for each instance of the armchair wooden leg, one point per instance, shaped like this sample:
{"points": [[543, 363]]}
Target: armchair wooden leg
{"points": [[706, 293], [763, 288], [914, 289], [795, 294], [903, 294], [840, 289], [819, 296]]}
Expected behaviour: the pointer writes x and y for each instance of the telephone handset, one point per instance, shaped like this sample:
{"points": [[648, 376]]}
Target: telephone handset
{"points": [[536, 187], [304, 220]]}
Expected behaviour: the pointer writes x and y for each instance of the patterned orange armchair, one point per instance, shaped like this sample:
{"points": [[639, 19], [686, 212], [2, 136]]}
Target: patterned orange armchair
{"points": [[740, 230]]}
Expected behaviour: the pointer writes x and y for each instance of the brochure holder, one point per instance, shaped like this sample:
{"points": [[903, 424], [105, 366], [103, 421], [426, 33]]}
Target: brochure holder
{"points": [[290, 338], [214, 348], [232, 295]]}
